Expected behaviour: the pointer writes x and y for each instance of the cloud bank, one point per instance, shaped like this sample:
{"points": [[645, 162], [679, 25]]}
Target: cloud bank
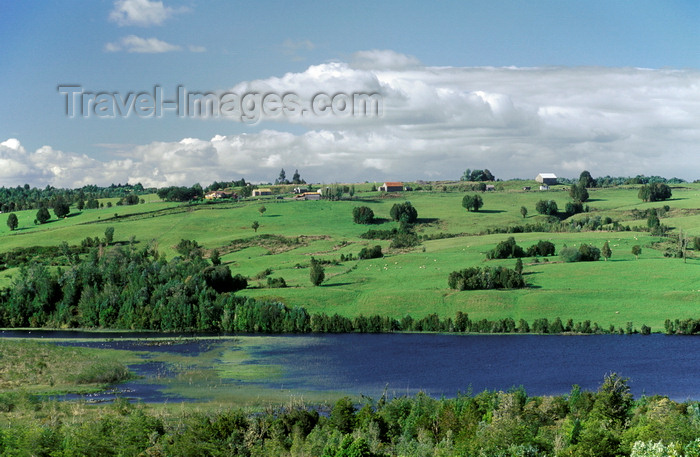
{"points": [[437, 121]]}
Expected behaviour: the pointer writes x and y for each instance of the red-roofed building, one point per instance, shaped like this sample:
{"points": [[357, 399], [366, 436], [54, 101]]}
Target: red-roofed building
{"points": [[391, 187]]}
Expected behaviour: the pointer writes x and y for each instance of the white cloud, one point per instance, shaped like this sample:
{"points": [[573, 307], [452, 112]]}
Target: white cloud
{"points": [[142, 13], [383, 59], [437, 121], [133, 43]]}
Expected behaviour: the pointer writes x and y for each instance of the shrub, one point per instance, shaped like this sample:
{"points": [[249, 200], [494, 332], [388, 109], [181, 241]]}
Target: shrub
{"points": [[542, 248], [475, 278], [585, 253], [370, 253], [404, 212], [363, 215], [276, 283], [405, 240], [505, 250], [547, 207]]}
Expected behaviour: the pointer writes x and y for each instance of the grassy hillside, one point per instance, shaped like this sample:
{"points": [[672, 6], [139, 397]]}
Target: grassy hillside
{"points": [[414, 281]]}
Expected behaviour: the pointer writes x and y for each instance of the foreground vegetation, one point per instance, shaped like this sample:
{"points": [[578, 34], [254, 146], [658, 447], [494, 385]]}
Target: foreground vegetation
{"points": [[608, 422]]}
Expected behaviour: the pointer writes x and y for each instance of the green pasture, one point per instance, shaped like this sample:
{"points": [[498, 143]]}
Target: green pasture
{"points": [[414, 281]]}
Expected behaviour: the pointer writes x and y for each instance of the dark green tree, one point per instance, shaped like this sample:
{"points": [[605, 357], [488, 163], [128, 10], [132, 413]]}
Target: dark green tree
{"points": [[363, 215], [586, 180], [523, 211], [404, 212], [606, 251], [636, 251], [296, 178], [109, 235], [613, 399], [61, 208], [12, 221], [343, 415], [215, 258], [547, 207], [316, 273], [255, 226], [519, 266], [578, 193], [472, 202], [262, 210], [43, 215]]}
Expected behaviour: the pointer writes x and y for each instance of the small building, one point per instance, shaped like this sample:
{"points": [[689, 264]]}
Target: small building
{"points": [[490, 187], [261, 192], [544, 187], [526, 188], [308, 196], [546, 178], [217, 194], [391, 187], [300, 190]]}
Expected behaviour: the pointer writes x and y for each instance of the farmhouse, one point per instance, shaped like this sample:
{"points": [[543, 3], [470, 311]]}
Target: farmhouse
{"points": [[546, 178], [218, 194], [308, 196], [490, 187], [544, 187], [300, 190], [261, 192], [391, 187]]}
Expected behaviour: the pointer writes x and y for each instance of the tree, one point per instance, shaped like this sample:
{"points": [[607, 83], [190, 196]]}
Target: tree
{"points": [[472, 202], [523, 211], [43, 215], [255, 226], [282, 178], [12, 221], [606, 251], [654, 192], [80, 205], [547, 207], [519, 266], [586, 180], [296, 178], [467, 175], [61, 208], [636, 250], [215, 258], [363, 215], [109, 235], [316, 273], [404, 212], [578, 193], [613, 399], [262, 210]]}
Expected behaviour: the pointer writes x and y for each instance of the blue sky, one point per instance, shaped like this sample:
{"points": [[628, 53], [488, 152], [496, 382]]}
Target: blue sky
{"points": [[516, 87]]}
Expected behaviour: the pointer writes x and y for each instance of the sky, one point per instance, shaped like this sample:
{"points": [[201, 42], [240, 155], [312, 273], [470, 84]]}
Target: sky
{"points": [[95, 92]]}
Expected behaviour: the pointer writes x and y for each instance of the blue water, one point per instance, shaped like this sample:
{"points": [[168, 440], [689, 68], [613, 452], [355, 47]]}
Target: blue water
{"points": [[447, 364]]}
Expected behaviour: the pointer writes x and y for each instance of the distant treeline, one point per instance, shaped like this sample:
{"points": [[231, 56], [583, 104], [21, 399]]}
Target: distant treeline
{"points": [[25, 198]]}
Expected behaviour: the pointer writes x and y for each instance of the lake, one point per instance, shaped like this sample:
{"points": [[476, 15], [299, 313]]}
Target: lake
{"points": [[444, 364]]}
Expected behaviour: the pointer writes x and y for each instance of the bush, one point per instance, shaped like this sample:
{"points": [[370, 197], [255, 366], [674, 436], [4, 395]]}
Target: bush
{"points": [[585, 253], [370, 253], [405, 240], [505, 250], [542, 248], [316, 273], [363, 215], [475, 278], [404, 212], [547, 207], [276, 283]]}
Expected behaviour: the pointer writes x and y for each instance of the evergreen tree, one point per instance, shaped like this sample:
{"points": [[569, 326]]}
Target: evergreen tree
{"points": [[12, 221], [523, 211], [43, 215], [316, 273]]}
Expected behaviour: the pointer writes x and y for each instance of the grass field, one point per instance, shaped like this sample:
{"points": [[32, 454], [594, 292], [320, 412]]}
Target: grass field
{"points": [[623, 289]]}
